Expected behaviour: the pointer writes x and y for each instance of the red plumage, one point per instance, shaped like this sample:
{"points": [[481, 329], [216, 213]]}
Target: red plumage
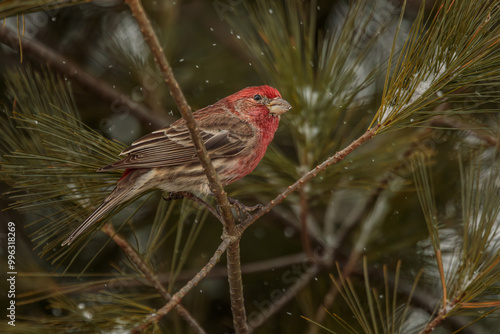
{"points": [[236, 131]]}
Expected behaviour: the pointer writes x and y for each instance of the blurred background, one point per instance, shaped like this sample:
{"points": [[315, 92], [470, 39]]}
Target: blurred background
{"points": [[360, 218]]}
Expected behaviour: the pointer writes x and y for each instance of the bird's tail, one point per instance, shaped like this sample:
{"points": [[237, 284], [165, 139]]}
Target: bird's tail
{"points": [[100, 212], [124, 190]]}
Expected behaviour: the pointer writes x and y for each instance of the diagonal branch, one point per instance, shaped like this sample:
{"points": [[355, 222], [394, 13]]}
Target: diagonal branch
{"points": [[177, 297], [370, 133], [184, 108], [233, 240], [230, 231], [150, 276], [227, 239], [41, 52]]}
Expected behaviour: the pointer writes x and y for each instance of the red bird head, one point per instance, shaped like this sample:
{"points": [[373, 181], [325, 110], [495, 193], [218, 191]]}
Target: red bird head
{"points": [[261, 105]]}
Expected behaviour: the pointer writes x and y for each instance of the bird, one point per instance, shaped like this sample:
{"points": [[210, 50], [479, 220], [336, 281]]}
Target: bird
{"points": [[236, 131]]}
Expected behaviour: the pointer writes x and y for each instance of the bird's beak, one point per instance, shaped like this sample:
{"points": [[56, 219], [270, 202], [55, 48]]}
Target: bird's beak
{"points": [[278, 106]]}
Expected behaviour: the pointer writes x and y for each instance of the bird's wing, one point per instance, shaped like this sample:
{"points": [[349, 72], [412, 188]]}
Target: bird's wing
{"points": [[172, 146]]}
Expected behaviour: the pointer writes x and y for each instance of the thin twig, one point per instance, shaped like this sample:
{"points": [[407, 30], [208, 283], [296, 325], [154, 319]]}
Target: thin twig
{"points": [[230, 232], [434, 323], [230, 239], [184, 108], [177, 297], [370, 133], [131, 253], [344, 233], [46, 55]]}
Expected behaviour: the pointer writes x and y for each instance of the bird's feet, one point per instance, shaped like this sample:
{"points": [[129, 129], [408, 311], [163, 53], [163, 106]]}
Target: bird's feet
{"points": [[242, 209]]}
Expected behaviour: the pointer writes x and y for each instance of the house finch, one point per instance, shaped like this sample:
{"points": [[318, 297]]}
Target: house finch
{"points": [[236, 131]]}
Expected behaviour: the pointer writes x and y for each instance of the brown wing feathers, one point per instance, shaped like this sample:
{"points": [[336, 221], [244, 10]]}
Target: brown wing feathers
{"points": [[172, 146]]}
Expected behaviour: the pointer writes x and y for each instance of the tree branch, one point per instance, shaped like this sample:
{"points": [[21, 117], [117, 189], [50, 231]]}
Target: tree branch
{"points": [[150, 276], [214, 181], [184, 108], [370, 133], [232, 233], [236, 288], [177, 297], [41, 52]]}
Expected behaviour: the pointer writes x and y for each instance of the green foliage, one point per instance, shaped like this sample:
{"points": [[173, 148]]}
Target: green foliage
{"points": [[88, 313], [50, 157], [447, 66], [329, 76], [330, 68], [454, 51], [472, 263], [385, 313], [320, 73]]}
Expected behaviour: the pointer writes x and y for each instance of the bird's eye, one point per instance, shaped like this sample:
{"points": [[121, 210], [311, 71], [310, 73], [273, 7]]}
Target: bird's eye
{"points": [[257, 97]]}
